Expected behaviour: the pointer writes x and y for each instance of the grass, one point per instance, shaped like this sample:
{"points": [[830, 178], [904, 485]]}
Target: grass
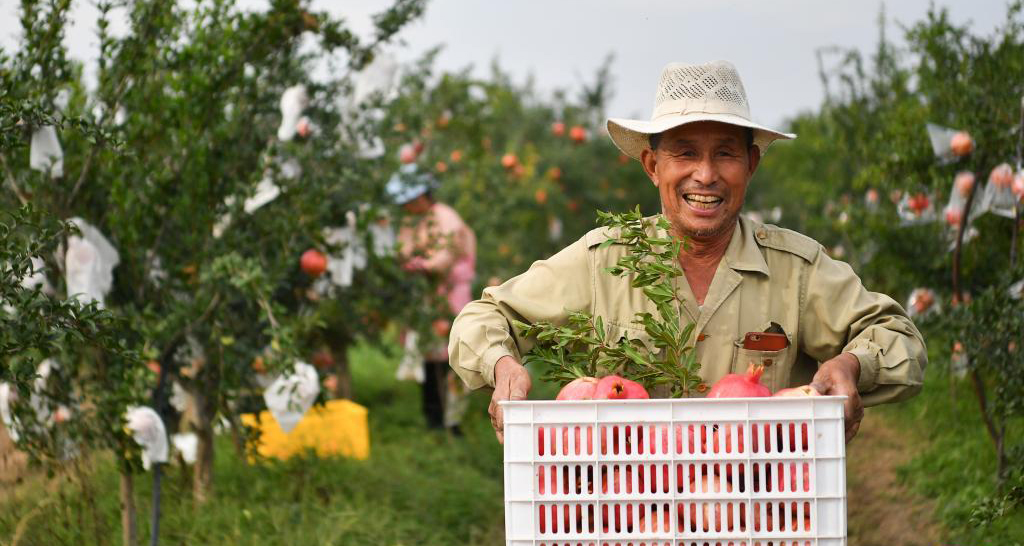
{"points": [[418, 487], [957, 468], [426, 488]]}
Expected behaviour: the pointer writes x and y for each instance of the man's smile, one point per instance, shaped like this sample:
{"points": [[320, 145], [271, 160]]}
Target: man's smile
{"points": [[702, 201]]}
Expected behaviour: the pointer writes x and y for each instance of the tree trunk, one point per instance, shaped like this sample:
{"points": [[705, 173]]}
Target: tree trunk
{"points": [[344, 374], [129, 533], [202, 470]]}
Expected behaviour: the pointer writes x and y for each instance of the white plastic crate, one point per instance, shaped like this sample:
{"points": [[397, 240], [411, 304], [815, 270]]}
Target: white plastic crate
{"points": [[679, 472]]}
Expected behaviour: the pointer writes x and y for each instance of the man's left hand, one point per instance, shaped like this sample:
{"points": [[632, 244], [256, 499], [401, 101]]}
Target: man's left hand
{"points": [[839, 376]]}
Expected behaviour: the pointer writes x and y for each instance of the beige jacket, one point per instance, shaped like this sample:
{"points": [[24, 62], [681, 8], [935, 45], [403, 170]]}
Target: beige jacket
{"points": [[768, 274]]}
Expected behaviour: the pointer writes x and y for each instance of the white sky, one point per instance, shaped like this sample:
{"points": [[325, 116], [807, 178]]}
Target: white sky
{"points": [[562, 43]]}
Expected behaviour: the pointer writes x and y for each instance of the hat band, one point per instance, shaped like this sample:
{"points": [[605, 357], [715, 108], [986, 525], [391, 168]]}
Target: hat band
{"points": [[688, 107]]}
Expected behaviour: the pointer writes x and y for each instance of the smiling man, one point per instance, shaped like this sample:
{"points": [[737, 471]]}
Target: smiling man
{"points": [[757, 293]]}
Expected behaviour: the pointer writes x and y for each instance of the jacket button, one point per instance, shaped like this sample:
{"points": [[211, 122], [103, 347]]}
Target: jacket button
{"points": [[767, 362]]}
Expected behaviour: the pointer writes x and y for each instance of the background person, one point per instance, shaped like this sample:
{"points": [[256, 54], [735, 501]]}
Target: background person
{"points": [[434, 240]]}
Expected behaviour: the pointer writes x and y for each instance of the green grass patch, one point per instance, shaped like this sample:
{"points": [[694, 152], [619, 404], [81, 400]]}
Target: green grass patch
{"points": [[418, 487], [957, 468]]}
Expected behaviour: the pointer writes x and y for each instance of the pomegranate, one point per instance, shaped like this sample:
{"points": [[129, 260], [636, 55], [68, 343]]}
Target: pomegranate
{"points": [[613, 387], [802, 390], [313, 262], [708, 523], [919, 203], [964, 182], [407, 153], [735, 385], [441, 167], [961, 144], [581, 388], [441, 327], [871, 196], [1017, 186], [578, 134], [153, 366], [953, 216], [555, 173], [540, 196], [1001, 176], [303, 127], [509, 161], [323, 359], [558, 128], [724, 441], [456, 156]]}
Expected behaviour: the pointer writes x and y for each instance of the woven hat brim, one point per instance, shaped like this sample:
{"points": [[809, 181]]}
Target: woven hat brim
{"points": [[632, 136]]}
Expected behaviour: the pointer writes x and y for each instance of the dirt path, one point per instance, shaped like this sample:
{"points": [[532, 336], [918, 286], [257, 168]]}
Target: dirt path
{"points": [[12, 463], [881, 510]]}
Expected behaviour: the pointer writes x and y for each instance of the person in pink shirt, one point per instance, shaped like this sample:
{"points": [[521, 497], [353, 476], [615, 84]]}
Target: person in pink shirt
{"points": [[434, 240]]}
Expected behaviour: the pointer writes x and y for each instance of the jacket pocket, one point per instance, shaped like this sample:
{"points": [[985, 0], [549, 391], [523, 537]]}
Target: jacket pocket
{"points": [[775, 364]]}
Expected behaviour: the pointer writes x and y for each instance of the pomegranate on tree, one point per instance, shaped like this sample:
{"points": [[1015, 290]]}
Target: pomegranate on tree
{"points": [[961, 144], [313, 262], [1001, 176], [509, 161], [558, 128], [578, 134], [736, 385], [919, 203], [964, 182], [954, 215]]}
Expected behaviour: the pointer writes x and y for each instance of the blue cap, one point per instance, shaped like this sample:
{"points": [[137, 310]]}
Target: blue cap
{"points": [[409, 183]]}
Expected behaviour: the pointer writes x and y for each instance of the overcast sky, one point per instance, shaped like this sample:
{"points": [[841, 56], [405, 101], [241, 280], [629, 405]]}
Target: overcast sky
{"points": [[562, 43]]}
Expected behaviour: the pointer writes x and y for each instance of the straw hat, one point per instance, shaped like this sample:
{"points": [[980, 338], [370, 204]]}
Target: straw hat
{"points": [[688, 93]]}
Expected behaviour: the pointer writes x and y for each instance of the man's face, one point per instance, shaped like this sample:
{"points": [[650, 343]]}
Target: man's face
{"points": [[701, 170], [419, 205]]}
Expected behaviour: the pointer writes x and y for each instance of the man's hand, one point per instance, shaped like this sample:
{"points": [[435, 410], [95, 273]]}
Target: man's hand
{"points": [[511, 382], [839, 376]]}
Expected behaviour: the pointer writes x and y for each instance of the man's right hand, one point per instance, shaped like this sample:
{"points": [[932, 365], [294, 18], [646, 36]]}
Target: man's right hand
{"points": [[511, 382]]}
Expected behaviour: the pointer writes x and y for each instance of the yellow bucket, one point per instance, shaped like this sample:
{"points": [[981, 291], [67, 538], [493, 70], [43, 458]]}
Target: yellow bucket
{"points": [[337, 428]]}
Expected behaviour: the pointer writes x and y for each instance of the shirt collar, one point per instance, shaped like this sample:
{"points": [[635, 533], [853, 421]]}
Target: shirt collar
{"points": [[743, 253]]}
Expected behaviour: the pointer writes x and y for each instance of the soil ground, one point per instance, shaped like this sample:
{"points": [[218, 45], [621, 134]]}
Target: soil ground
{"points": [[12, 463], [882, 510]]}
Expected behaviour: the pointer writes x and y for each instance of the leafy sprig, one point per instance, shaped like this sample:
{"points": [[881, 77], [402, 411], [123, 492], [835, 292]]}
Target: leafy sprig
{"points": [[581, 347]]}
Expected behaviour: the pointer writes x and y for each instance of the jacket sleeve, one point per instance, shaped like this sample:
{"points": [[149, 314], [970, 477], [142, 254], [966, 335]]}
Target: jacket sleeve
{"points": [[839, 315], [483, 332]]}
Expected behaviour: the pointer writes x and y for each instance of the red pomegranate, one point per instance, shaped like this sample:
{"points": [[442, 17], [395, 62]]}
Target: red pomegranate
{"points": [[613, 387], [1001, 176], [313, 262], [961, 144], [581, 388], [736, 385]]}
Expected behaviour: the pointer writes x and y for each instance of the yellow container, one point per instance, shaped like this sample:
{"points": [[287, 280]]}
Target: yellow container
{"points": [[337, 428]]}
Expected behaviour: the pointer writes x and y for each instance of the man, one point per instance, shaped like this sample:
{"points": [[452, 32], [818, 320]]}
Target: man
{"points": [[434, 240], [700, 150]]}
